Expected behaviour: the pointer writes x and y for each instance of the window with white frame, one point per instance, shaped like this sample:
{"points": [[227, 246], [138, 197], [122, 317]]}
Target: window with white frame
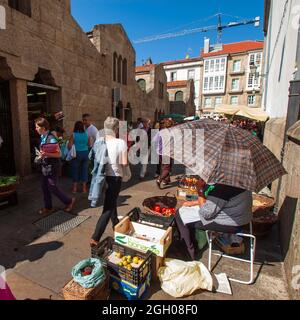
{"points": [[191, 74], [214, 80], [235, 84], [207, 102], [218, 101], [223, 60], [205, 87], [173, 76], [211, 83], [236, 65], [254, 78], [206, 66], [212, 66], [217, 68], [251, 100], [217, 83], [221, 83], [234, 100]]}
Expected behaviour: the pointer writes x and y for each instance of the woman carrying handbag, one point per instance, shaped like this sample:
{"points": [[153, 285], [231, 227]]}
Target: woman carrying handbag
{"points": [[49, 158]]}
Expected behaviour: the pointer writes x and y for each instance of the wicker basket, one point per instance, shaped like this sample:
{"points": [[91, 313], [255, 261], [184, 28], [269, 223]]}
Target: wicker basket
{"points": [[73, 291], [266, 204], [164, 201], [263, 216]]}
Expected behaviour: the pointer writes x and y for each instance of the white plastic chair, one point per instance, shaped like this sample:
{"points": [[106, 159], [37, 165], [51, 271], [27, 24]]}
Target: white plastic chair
{"points": [[252, 239]]}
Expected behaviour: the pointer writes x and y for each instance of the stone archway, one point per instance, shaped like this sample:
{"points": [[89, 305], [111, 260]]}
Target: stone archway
{"points": [[44, 99], [7, 158]]}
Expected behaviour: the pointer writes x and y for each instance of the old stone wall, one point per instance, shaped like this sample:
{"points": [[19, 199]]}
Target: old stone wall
{"points": [[52, 40], [289, 213], [274, 140], [188, 99]]}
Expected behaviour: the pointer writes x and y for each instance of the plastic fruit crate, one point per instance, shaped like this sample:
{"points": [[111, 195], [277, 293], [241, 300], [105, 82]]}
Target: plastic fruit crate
{"points": [[135, 276], [150, 219]]}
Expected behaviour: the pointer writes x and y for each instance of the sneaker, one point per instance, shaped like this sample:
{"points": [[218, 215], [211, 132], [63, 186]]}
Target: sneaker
{"points": [[45, 211], [93, 204]]}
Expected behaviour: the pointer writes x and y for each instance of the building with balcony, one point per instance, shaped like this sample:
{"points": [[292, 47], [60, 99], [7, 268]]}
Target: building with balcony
{"points": [[231, 75]]}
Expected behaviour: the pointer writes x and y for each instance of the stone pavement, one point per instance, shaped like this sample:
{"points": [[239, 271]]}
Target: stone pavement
{"points": [[39, 264]]}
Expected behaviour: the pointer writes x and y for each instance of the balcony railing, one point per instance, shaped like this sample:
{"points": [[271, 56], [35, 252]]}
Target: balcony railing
{"points": [[236, 72]]}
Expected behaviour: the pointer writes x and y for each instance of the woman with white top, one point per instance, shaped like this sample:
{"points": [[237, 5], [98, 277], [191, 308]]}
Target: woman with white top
{"points": [[114, 167]]}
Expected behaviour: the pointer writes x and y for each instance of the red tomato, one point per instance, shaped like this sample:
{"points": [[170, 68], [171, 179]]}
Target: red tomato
{"points": [[173, 210], [157, 209], [163, 210]]}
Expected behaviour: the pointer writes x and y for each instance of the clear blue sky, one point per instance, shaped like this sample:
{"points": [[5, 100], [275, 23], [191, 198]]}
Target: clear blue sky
{"points": [[141, 18]]}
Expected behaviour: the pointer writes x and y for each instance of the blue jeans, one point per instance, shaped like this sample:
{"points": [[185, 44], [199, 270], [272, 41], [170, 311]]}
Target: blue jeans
{"points": [[80, 166]]}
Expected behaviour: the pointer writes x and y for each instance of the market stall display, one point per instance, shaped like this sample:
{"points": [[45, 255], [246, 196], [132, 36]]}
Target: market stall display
{"points": [[113, 254], [130, 270], [187, 188], [8, 191]]}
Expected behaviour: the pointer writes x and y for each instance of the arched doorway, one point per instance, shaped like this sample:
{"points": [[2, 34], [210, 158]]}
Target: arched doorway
{"points": [[44, 100], [7, 160], [128, 113], [119, 110]]}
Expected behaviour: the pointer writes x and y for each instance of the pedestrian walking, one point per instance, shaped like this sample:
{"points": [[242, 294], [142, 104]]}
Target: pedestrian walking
{"points": [[82, 143], [49, 158], [89, 127], [145, 143], [117, 161], [166, 163]]}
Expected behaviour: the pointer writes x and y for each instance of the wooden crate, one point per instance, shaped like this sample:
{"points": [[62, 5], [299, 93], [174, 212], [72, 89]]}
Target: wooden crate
{"points": [[158, 241], [157, 263]]}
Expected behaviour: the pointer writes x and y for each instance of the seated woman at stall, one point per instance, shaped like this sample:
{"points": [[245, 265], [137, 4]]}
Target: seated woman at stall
{"points": [[225, 209]]}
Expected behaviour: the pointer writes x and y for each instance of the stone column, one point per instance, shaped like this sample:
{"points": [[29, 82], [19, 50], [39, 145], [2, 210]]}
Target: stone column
{"points": [[19, 110]]}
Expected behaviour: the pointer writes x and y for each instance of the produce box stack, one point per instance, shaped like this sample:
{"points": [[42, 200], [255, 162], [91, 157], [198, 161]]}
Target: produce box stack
{"points": [[187, 190], [130, 270], [8, 192], [150, 230]]}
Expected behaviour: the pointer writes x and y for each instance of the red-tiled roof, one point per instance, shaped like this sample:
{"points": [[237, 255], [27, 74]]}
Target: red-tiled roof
{"points": [[145, 68], [181, 83], [236, 47], [182, 61]]}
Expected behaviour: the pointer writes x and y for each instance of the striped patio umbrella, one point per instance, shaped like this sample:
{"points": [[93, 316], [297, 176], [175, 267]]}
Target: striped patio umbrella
{"points": [[220, 153]]}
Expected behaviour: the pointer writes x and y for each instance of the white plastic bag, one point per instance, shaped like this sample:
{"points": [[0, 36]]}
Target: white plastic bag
{"points": [[179, 278], [71, 153]]}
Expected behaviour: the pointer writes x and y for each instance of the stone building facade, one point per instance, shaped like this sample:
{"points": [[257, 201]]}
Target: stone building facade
{"points": [[181, 96], [281, 100], [152, 83], [129, 100], [49, 64], [185, 70]]}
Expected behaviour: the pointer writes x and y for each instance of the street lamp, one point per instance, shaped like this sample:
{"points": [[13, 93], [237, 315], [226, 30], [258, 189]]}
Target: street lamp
{"points": [[253, 70]]}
